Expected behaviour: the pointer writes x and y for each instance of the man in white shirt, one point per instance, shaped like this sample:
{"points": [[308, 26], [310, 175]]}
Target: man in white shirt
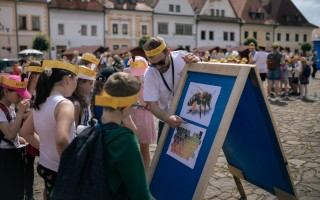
{"points": [[162, 77], [260, 59]]}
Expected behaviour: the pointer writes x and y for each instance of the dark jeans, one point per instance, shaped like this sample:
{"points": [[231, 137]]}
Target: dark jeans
{"points": [[12, 166], [314, 71], [29, 176], [160, 127]]}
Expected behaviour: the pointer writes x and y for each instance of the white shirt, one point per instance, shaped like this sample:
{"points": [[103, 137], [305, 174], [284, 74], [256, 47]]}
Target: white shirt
{"points": [[260, 58], [45, 126], [154, 87], [3, 118]]}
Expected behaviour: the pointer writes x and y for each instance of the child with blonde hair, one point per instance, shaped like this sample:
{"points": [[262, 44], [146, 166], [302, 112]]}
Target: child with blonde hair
{"points": [[142, 117]]}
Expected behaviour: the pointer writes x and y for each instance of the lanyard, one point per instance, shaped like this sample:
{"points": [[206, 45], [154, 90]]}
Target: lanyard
{"points": [[164, 80]]}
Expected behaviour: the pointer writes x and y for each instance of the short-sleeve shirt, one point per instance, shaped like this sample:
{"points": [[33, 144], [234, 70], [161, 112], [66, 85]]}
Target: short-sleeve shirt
{"points": [[155, 88]]}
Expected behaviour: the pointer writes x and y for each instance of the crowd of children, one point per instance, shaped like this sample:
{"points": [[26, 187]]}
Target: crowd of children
{"points": [[42, 108]]}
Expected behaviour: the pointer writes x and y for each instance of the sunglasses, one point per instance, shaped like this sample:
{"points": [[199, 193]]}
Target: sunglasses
{"points": [[160, 63]]}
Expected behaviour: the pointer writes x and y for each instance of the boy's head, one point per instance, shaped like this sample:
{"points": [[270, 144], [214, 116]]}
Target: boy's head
{"points": [[120, 91]]}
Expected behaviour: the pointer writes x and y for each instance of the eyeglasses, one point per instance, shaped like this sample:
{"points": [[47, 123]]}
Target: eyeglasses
{"points": [[160, 63]]}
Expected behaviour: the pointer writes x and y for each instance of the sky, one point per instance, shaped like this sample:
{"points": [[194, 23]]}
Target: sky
{"points": [[310, 9]]}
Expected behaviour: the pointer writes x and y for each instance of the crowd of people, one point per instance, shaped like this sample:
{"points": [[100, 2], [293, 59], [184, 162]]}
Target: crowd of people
{"points": [[46, 105]]}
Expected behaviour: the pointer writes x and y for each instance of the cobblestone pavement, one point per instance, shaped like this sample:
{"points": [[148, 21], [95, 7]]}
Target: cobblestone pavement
{"points": [[298, 122]]}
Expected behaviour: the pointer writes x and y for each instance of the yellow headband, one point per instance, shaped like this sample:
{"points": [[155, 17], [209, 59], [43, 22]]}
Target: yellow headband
{"points": [[115, 102], [88, 72], [90, 58], [13, 84], [54, 64], [137, 64], [156, 51], [34, 69]]}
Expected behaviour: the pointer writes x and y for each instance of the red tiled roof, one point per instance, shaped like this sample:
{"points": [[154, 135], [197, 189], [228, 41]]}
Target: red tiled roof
{"points": [[85, 49], [92, 5], [197, 5], [140, 5], [243, 8]]}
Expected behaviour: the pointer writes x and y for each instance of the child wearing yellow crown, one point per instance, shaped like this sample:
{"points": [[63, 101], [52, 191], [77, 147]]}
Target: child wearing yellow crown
{"points": [[13, 90], [80, 97], [127, 177], [52, 118], [143, 118]]}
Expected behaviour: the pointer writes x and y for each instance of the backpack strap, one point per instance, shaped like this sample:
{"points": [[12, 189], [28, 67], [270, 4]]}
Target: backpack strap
{"points": [[6, 112]]}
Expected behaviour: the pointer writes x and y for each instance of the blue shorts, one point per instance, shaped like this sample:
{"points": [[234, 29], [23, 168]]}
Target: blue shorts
{"points": [[274, 75]]}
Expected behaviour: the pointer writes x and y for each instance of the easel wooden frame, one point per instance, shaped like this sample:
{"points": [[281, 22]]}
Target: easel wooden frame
{"points": [[242, 73]]}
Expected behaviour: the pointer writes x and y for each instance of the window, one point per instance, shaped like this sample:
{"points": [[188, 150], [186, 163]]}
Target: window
{"points": [[203, 35], [120, 1], [278, 36], [35, 23], [225, 36], [171, 7], [23, 47], [60, 50], [267, 36], [133, 1], [212, 12], [217, 12], [22, 23], [255, 35], [187, 48], [297, 37], [124, 46], [246, 34], [287, 37], [115, 28], [115, 46], [305, 38], [261, 16], [183, 29], [144, 30], [286, 18], [178, 8], [298, 18], [125, 29], [163, 28], [211, 35], [222, 13], [60, 29], [94, 30], [231, 36], [83, 30]]}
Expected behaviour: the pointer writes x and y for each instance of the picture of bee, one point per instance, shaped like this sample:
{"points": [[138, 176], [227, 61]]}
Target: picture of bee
{"points": [[200, 100]]}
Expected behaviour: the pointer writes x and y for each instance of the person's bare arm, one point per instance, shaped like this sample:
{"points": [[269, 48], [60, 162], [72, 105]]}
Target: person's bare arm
{"points": [[173, 120]]}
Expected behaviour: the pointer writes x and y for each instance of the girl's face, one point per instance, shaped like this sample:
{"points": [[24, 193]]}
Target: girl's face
{"points": [[87, 86], [13, 97]]}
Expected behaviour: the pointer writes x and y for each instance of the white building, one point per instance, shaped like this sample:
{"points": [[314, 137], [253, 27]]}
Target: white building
{"points": [[175, 22], [217, 24], [75, 24]]}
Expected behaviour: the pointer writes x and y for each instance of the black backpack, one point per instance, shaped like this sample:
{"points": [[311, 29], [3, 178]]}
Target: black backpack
{"points": [[81, 169]]}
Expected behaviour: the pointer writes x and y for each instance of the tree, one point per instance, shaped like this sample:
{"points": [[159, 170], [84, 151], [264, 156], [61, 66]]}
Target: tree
{"points": [[143, 40], [249, 40], [305, 47], [41, 42]]}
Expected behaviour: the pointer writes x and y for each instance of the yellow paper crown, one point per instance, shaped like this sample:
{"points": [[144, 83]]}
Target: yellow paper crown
{"points": [[156, 51], [34, 69], [87, 72], [90, 58], [12, 83], [115, 102], [54, 64], [137, 64]]}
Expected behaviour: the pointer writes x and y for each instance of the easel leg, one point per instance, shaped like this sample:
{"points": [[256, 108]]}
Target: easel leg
{"points": [[240, 187]]}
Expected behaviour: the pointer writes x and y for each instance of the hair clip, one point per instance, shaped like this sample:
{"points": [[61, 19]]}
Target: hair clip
{"points": [[48, 71]]}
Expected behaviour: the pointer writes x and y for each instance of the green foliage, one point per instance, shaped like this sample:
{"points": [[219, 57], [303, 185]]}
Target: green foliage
{"points": [[143, 40], [306, 47], [41, 42], [249, 40]]}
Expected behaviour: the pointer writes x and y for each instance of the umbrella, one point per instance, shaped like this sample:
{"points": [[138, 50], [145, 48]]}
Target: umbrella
{"points": [[27, 52]]}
